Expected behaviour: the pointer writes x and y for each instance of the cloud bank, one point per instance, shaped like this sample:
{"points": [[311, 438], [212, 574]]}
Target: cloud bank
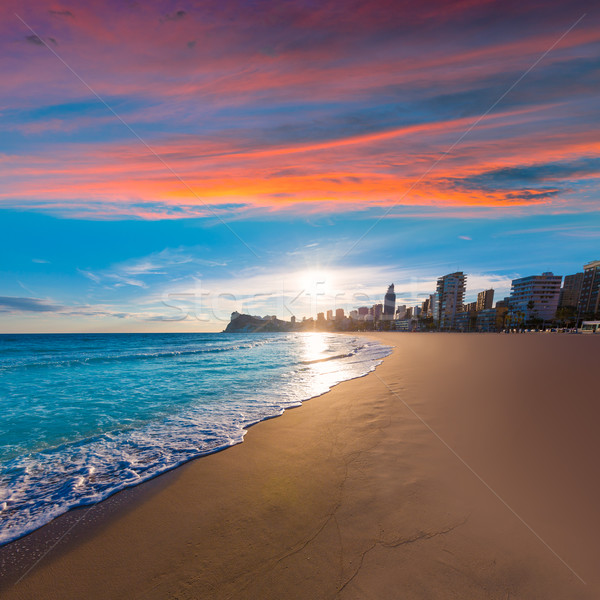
{"points": [[298, 107]]}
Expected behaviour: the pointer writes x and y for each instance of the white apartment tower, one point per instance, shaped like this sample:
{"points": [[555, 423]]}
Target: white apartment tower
{"points": [[535, 297], [451, 293]]}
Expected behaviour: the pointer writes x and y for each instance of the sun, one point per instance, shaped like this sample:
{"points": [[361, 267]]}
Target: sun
{"points": [[316, 282]]}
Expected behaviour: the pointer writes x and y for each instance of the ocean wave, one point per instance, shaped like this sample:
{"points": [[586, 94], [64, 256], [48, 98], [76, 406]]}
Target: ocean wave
{"points": [[353, 352], [87, 360]]}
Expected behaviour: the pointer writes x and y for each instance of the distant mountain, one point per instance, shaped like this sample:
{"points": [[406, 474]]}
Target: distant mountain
{"points": [[249, 324]]}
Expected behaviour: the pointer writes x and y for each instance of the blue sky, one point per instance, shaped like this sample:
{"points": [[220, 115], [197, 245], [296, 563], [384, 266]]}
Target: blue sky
{"points": [[165, 164], [189, 274]]}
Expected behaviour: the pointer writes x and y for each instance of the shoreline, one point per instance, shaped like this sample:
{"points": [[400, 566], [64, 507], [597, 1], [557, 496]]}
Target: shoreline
{"points": [[308, 506], [242, 432], [236, 436], [39, 539]]}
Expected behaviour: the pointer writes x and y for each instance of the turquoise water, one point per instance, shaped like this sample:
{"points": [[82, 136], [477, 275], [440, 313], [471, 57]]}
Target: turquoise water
{"points": [[83, 416]]}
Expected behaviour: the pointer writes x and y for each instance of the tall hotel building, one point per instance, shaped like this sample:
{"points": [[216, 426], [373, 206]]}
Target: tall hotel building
{"points": [[450, 295], [589, 298], [389, 303], [571, 290], [485, 300], [542, 290]]}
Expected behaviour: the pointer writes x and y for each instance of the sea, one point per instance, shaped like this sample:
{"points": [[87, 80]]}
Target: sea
{"points": [[83, 416]]}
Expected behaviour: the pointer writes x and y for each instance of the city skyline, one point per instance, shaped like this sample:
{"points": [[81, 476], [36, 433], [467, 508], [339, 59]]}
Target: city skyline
{"points": [[163, 162], [546, 301]]}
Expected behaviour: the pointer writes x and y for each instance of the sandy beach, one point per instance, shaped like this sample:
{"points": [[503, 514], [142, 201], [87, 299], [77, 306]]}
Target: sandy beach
{"points": [[464, 467]]}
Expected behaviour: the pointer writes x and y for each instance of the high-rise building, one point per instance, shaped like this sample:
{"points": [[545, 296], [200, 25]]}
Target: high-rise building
{"points": [[589, 299], [401, 311], [426, 308], [339, 314], [450, 292], [485, 299], [470, 307], [571, 289], [535, 297], [377, 310], [363, 310], [389, 303], [330, 315], [320, 317], [434, 306], [354, 314]]}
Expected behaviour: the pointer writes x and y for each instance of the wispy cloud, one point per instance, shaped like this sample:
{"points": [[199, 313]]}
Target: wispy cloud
{"points": [[168, 264], [18, 304], [175, 16], [568, 230], [34, 39], [62, 13]]}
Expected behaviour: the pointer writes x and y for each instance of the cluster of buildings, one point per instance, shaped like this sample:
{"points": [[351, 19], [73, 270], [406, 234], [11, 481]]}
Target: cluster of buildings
{"points": [[534, 301]]}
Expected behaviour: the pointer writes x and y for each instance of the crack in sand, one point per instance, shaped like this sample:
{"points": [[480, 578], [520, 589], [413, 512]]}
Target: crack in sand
{"points": [[302, 545], [427, 535], [331, 515]]}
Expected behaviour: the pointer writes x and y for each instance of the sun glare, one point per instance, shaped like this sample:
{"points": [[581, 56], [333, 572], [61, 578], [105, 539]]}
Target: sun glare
{"points": [[316, 282], [314, 345]]}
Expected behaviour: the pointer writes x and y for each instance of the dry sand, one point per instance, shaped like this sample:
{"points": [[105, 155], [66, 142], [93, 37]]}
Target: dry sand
{"points": [[464, 467]]}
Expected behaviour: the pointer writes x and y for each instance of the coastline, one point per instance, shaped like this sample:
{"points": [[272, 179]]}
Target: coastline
{"points": [[88, 473], [163, 446], [354, 495]]}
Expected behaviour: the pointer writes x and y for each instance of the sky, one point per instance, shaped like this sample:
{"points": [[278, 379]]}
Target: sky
{"points": [[163, 164]]}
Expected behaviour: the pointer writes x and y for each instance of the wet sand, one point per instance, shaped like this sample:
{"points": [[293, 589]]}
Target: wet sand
{"points": [[465, 466]]}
